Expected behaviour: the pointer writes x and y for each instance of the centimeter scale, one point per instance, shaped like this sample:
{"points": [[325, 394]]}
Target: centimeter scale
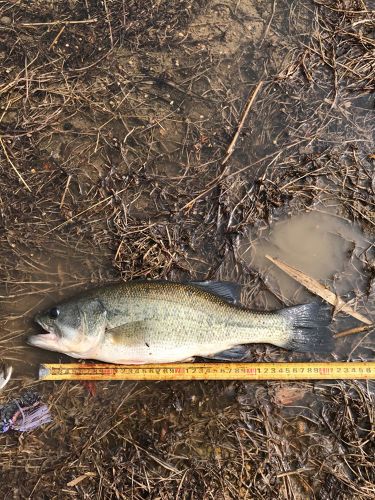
{"points": [[360, 370]]}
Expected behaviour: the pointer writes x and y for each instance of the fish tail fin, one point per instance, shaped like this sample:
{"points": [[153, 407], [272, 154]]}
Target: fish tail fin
{"points": [[309, 329]]}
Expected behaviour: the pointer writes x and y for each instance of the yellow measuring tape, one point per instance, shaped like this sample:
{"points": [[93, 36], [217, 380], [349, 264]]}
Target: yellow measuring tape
{"points": [[211, 371]]}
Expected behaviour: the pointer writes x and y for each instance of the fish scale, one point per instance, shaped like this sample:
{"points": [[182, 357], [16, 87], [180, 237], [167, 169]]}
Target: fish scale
{"points": [[175, 322], [141, 322]]}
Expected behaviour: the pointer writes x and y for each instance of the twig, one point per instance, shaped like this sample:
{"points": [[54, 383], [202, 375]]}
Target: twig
{"points": [[56, 39], [362, 21], [269, 23], [315, 287], [53, 23], [352, 331], [80, 478], [109, 22], [13, 166], [245, 112], [65, 190]]}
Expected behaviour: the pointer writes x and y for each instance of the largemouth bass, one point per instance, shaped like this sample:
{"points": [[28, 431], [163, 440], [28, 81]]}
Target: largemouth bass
{"points": [[140, 322]]}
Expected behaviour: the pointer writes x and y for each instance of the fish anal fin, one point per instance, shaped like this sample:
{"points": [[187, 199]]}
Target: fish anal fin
{"points": [[236, 353]]}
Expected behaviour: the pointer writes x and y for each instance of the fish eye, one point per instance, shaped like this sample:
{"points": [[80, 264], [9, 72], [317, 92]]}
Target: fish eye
{"points": [[54, 313]]}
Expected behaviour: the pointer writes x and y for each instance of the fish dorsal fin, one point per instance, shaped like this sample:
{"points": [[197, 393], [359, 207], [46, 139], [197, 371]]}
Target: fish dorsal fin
{"points": [[231, 292]]}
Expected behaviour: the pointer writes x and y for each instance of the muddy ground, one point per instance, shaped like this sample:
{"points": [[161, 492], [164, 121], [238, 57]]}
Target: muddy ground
{"points": [[115, 123]]}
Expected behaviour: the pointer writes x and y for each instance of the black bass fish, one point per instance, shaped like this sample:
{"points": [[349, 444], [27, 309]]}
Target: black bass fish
{"points": [[140, 322]]}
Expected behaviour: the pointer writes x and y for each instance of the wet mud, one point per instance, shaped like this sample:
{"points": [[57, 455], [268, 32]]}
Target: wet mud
{"points": [[115, 123]]}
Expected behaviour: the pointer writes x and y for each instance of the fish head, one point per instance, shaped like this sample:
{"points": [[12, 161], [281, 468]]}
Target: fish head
{"points": [[74, 327]]}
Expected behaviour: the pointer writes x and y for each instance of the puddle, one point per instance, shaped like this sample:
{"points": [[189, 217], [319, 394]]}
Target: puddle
{"points": [[321, 244]]}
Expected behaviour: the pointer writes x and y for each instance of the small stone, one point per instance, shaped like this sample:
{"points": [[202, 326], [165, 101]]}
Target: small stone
{"points": [[6, 20]]}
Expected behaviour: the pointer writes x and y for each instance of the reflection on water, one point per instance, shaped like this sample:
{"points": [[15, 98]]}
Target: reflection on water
{"points": [[321, 244], [34, 280], [326, 247]]}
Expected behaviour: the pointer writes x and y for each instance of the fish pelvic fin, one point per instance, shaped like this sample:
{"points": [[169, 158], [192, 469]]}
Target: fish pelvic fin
{"points": [[309, 326]]}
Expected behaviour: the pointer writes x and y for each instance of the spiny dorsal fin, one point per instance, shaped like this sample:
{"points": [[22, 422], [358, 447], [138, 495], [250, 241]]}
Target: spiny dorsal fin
{"points": [[231, 292]]}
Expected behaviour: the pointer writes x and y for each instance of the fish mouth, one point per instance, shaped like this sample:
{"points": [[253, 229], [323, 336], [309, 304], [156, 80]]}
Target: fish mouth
{"points": [[44, 338]]}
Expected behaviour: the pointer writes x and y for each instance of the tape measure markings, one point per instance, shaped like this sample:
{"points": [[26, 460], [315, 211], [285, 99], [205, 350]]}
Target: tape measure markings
{"points": [[211, 371]]}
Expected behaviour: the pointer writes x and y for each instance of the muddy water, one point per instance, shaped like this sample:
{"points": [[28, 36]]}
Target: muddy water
{"points": [[34, 281], [325, 246]]}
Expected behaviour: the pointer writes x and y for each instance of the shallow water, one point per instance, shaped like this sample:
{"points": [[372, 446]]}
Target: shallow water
{"points": [[35, 281], [327, 247], [320, 243]]}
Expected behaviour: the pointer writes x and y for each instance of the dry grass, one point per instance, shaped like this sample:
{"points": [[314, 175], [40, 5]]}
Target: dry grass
{"points": [[114, 123]]}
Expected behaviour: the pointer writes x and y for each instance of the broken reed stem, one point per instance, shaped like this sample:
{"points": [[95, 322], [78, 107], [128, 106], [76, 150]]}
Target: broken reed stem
{"points": [[318, 289], [352, 331], [56, 39], [54, 23], [245, 112], [65, 190]]}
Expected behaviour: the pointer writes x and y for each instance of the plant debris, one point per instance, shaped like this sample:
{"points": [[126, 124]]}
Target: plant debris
{"points": [[317, 288], [115, 120]]}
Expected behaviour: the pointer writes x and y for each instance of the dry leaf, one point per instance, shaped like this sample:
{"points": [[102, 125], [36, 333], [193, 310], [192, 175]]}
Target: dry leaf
{"points": [[287, 395]]}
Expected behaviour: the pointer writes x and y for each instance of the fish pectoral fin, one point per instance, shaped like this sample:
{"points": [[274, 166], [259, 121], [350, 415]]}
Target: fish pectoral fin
{"points": [[231, 292], [236, 353], [132, 333]]}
